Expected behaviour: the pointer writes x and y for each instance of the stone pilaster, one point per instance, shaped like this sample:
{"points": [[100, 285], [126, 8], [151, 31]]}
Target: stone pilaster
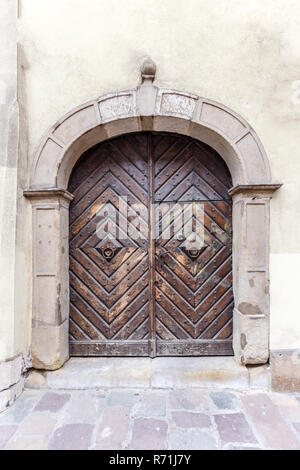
{"points": [[251, 213], [50, 277]]}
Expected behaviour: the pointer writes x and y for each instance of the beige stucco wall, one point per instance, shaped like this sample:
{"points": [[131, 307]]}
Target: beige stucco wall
{"points": [[8, 175], [241, 53], [14, 244]]}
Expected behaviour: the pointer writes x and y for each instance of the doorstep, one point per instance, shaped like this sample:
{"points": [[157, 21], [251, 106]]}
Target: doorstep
{"points": [[159, 373]]}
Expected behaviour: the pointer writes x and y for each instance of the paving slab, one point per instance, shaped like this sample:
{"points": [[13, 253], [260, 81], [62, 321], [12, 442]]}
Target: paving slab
{"points": [[151, 418], [267, 421], [113, 427], [288, 405], [51, 401], [190, 399], [84, 408], [149, 434], [27, 443], [182, 439], [224, 400], [37, 424], [233, 427], [188, 419], [6, 432], [76, 436], [151, 403]]}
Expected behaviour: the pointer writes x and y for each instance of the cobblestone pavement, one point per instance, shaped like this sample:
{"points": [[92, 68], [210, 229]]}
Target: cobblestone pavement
{"points": [[151, 419]]}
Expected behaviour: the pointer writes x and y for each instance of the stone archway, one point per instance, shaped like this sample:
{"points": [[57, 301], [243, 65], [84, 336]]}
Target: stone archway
{"points": [[148, 108]]}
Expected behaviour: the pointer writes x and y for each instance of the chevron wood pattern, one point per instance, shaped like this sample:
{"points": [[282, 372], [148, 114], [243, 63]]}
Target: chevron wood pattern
{"points": [[110, 277], [109, 295], [194, 298]]}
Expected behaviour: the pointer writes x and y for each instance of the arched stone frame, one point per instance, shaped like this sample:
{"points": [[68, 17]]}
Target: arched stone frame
{"points": [[148, 108]]}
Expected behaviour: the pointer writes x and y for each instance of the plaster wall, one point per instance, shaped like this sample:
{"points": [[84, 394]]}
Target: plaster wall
{"points": [[243, 54], [14, 243], [8, 174]]}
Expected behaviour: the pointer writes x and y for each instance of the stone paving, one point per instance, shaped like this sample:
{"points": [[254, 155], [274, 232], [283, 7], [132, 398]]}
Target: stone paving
{"points": [[133, 419]]}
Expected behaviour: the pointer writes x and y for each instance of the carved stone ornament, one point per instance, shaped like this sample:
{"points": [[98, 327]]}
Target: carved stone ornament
{"points": [[148, 70]]}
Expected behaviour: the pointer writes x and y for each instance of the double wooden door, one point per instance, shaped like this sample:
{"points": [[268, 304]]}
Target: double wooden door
{"points": [[150, 249]]}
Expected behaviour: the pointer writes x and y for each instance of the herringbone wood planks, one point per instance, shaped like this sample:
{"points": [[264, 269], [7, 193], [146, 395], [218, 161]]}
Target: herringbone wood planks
{"points": [[109, 311]]}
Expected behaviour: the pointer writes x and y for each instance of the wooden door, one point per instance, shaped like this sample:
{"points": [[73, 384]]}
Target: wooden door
{"points": [[135, 291], [193, 269]]}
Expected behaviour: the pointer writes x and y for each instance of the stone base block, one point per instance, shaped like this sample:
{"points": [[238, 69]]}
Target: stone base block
{"points": [[11, 381], [259, 377], [101, 372], [199, 372], [81, 373], [35, 379], [9, 396], [250, 338], [285, 370], [50, 346], [10, 372]]}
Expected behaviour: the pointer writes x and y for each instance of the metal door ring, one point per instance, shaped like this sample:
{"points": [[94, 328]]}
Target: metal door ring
{"points": [[194, 253], [108, 253]]}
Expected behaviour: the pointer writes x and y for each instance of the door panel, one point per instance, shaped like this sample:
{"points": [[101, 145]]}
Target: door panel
{"points": [[109, 272], [193, 268], [154, 287]]}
